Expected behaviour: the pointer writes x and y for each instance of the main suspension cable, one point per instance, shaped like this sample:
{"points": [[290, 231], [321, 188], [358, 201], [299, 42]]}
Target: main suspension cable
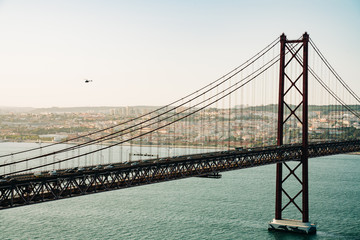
{"points": [[106, 137], [255, 57], [357, 98], [157, 128]]}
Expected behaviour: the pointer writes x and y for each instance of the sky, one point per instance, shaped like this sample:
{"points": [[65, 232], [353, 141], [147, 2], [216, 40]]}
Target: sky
{"points": [[152, 52]]}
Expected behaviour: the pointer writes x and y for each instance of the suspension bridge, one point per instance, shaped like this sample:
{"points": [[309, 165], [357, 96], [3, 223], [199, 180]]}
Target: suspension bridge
{"points": [[284, 105]]}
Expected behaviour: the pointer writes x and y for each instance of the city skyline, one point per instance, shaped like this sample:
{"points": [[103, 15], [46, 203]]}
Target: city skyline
{"points": [[153, 52]]}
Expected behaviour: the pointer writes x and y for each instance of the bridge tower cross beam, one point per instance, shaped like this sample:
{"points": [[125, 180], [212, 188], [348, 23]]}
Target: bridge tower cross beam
{"points": [[293, 48]]}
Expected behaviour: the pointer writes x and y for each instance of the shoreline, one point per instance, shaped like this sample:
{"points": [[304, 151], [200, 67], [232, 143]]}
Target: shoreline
{"points": [[137, 145], [127, 144]]}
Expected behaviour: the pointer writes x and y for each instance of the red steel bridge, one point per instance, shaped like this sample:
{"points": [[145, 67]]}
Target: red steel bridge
{"points": [[284, 105]]}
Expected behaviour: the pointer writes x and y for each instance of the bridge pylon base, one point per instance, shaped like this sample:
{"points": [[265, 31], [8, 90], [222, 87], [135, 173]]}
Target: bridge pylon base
{"points": [[295, 226]]}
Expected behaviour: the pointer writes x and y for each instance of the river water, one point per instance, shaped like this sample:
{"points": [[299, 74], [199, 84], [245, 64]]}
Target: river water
{"points": [[237, 206]]}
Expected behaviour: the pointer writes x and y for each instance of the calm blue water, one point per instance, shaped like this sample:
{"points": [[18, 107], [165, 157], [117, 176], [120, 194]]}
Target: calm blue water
{"points": [[237, 206]]}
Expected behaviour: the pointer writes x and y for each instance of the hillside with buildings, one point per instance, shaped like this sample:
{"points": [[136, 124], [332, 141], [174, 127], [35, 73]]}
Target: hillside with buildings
{"points": [[251, 126]]}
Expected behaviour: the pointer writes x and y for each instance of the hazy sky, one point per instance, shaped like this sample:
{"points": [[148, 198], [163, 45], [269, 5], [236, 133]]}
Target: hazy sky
{"points": [[153, 52]]}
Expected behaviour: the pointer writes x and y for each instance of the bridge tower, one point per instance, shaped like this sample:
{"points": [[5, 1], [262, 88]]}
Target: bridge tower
{"points": [[298, 53]]}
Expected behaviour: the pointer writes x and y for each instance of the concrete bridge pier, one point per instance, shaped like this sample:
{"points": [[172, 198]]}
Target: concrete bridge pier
{"points": [[290, 225]]}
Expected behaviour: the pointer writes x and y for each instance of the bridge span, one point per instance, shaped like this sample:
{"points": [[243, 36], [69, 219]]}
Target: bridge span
{"points": [[241, 109], [25, 189]]}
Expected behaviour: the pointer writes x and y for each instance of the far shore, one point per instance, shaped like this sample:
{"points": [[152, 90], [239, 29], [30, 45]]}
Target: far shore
{"points": [[137, 145], [125, 144]]}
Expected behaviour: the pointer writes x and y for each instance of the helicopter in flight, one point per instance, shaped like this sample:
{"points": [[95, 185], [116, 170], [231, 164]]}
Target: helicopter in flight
{"points": [[88, 80]]}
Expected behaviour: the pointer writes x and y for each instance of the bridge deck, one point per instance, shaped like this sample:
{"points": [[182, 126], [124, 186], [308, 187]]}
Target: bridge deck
{"points": [[27, 189]]}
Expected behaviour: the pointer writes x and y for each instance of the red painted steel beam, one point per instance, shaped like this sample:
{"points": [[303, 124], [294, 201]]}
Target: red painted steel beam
{"points": [[305, 139], [278, 194]]}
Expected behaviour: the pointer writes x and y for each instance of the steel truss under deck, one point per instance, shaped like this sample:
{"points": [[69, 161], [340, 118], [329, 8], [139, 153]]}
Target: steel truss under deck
{"points": [[20, 192]]}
